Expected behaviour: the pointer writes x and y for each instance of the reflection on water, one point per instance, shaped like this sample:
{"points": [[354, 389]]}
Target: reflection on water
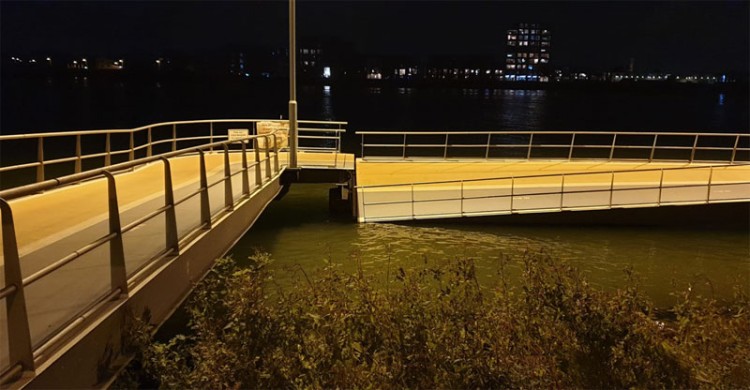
{"points": [[326, 105], [298, 230], [525, 108]]}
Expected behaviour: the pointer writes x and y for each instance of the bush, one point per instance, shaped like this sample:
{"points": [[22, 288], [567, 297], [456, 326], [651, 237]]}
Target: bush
{"points": [[436, 327]]}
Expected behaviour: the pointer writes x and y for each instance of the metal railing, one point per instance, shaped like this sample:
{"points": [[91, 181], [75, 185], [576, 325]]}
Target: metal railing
{"points": [[567, 145], [259, 155], [502, 195], [112, 146]]}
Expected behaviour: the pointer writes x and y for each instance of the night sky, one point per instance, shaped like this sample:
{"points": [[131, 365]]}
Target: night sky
{"points": [[677, 37]]}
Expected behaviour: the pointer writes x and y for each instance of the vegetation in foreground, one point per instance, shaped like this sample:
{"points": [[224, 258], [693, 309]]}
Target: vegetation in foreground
{"points": [[436, 327]]}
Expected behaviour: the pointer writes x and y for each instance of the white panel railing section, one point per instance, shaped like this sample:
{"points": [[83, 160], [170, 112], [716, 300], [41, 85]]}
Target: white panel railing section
{"points": [[554, 192]]}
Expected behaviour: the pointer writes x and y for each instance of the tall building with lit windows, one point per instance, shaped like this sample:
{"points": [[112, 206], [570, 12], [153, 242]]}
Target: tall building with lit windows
{"points": [[527, 53]]}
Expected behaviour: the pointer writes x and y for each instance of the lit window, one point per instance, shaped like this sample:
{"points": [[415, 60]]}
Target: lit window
{"points": [[327, 72]]}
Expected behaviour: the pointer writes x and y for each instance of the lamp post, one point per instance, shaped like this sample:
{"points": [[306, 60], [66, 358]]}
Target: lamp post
{"points": [[292, 86]]}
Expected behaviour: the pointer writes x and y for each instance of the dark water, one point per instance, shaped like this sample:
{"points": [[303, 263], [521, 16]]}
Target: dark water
{"points": [[299, 230]]}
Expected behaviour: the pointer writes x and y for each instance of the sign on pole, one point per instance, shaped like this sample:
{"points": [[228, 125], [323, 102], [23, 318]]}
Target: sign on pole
{"points": [[237, 134]]}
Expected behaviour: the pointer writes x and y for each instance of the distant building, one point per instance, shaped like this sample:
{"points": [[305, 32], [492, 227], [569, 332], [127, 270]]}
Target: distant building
{"points": [[527, 53]]}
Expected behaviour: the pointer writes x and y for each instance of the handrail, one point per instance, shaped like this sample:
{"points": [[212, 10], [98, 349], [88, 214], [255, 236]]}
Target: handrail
{"points": [[510, 182], [25, 353], [319, 136], [526, 132], [21, 353], [529, 141]]}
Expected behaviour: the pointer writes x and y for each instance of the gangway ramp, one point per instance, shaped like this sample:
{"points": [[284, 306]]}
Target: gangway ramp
{"points": [[436, 175], [81, 251]]}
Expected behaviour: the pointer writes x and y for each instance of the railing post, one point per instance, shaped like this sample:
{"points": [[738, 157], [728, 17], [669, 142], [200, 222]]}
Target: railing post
{"points": [[462, 198], [487, 152], [562, 191], [445, 148], [612, 150], [211, 136], [205, 206], [612, 188], [412, 201], [170, 214], [118, 274], [78, 153], [362, 145], [268, 157], [403, 154], [108, 150], [40, 159], [708, 192], [661, 185], [572, 144], [653, 148], [734, 150], [19, 335], [531, 141], [695, 144], [228, 196], [258, 177], [338, 138], [174, 137], [245, 174], [149, 148], [131, 155], [275, 154]]}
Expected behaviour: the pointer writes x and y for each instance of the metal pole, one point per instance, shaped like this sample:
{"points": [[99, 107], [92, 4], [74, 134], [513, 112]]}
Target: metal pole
{"points": [[562, 192], [653, 148], [149, 148], [40, 159], [205, 206], [572, 145], [245, 174], [734, 150], [118, 273], [228, 195], [292, 85], [612, 150], [695, 144], [258, 178], [108, 150], [661, 185], [708, 192], [487, 152], [170, 223], [131, 154], [531, 141], [19, 340], [78, 153]]}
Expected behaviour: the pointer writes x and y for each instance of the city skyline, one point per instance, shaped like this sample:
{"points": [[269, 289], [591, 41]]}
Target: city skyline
{"points": [[669, 36]]}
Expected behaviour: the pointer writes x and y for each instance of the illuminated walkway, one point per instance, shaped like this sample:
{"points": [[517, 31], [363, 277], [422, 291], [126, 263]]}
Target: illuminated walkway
{"points": [[393, 191]]}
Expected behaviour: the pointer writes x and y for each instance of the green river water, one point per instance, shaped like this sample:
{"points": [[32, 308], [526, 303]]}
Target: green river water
{"points": [[299, 233]]}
